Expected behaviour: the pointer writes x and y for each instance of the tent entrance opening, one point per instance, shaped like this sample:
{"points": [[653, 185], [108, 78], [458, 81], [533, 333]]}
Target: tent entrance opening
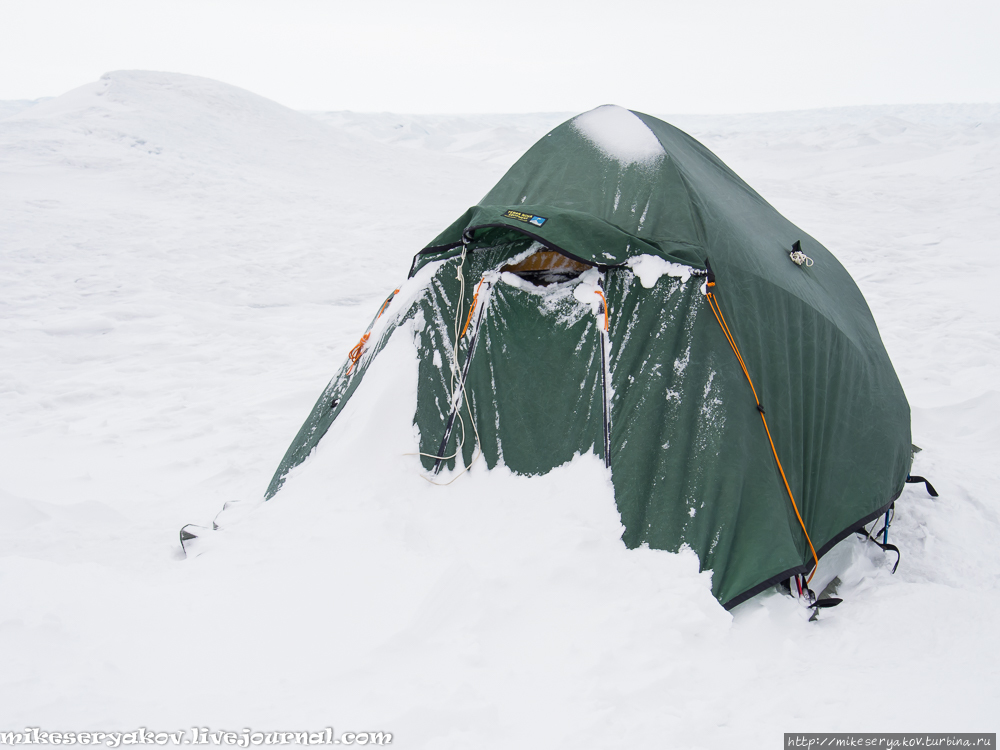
{"points": [[546, 267]]}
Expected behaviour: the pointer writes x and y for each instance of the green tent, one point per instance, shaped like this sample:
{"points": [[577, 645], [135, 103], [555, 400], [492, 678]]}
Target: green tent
{"points": [[621, 291]]}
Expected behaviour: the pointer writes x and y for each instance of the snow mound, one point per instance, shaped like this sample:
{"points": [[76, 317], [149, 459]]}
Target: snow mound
{"points": [[619, 135], [140, 117]]}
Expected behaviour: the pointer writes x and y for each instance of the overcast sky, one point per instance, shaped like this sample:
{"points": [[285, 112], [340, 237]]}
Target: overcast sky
{"points": [[435, 56]]}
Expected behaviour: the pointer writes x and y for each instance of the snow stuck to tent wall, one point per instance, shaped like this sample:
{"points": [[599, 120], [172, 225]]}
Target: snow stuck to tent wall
{"points": [[619, 135], [650, 268]]}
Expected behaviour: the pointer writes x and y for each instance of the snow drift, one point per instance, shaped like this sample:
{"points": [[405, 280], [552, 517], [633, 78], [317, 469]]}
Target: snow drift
{"points": [[171, 307]]}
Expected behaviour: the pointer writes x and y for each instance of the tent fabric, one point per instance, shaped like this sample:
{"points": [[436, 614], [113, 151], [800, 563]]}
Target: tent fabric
{"points": [[689, 458]]}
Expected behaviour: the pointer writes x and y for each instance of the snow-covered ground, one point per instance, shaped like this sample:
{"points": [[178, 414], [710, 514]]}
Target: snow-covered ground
{"points": [[183, 265]]}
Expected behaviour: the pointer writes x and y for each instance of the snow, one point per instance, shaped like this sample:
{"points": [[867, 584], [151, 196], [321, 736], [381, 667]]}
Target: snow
{"points": [[13, 106], [183, 267], [649, 269], [619, 135], [494, 138], [588, 291]]}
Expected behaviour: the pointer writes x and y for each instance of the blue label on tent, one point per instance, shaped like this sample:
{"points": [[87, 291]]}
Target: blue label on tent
{"points": [[526, 218]]}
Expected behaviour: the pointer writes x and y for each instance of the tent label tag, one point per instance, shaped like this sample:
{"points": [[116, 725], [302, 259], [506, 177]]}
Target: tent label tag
{"points": [[526, 218]]}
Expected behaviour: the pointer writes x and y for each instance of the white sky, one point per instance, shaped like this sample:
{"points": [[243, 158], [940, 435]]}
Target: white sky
{"points": [[437, 56]]}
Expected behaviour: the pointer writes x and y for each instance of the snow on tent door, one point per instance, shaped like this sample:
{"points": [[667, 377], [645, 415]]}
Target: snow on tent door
{"points": [[534, 383]]}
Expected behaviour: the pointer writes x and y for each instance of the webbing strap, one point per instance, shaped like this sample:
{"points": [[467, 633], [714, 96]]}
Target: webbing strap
{"points": [[930, 488], [885, 546], [830, 601], [717, 311]]}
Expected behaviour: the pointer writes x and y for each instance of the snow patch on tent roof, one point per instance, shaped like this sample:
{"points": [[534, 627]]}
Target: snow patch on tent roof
{"points": [[619, 135]]}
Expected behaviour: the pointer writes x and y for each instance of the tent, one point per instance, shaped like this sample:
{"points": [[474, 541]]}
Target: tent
{"points": [[622, 291]]}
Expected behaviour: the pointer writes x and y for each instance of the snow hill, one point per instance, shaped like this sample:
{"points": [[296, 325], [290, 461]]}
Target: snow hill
{"points": [[183, 265]]}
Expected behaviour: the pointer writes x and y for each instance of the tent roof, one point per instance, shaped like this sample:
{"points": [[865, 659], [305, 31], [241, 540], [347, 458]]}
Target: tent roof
{"points": [[622, 180], [611, 184]]}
